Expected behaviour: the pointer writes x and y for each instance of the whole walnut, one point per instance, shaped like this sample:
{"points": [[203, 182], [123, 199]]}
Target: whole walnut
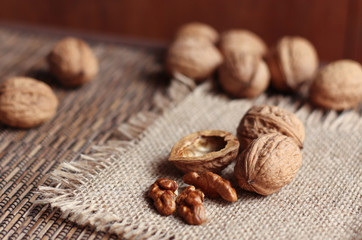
{"points": [[197, 29], [72, 62], [244, 41], [243, 75], [338, 85], [26, 102], [268, 163], [293, 62], [263, 119], [195, 58], [243, 72]]}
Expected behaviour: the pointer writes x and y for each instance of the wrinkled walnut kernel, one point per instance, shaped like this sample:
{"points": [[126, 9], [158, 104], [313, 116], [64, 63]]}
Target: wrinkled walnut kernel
{"points": [[191, 207], [163, 194], [212, 185]]}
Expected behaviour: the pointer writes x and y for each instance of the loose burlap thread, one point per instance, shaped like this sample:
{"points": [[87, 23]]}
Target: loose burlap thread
{"points": [[108, 189]]}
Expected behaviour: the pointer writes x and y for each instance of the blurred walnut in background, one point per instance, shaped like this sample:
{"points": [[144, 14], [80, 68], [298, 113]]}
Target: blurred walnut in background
{"points": [[72, 62], [244, 72]]}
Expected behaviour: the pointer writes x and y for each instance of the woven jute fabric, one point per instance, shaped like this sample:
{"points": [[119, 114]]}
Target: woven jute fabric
{"points": [[108, 189]]}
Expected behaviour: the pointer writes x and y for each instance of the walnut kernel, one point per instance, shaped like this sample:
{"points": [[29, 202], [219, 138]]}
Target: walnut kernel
{"points": [[163, 194], [191, 206], [212, 185]]}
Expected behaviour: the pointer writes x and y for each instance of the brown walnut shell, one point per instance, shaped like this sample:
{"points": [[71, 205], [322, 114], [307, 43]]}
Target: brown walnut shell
{"points": [[338, 85], [263, 119], [197, 29], [243, 75], [292, 63], [26, 102], [268, 163], [195, 58], [204, 151], [72, 62], [244, 41]]}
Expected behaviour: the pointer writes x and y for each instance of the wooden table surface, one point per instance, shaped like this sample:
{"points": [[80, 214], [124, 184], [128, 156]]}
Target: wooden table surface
{"points": [[129, 77]]}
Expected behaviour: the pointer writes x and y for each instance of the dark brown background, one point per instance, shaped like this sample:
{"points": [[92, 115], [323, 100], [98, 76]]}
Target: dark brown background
{"points": [[334, 26]]}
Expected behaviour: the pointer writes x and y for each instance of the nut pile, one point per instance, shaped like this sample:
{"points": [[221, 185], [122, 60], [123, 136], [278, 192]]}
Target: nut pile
{"points": [[267, 158], [26, 102], [246, 66]]}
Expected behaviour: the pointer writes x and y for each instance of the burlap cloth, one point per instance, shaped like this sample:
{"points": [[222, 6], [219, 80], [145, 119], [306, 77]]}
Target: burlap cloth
{"points": [[108, 189]]}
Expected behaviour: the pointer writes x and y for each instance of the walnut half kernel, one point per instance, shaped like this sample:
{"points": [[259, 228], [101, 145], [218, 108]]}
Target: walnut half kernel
{"points": [[204, 151]]}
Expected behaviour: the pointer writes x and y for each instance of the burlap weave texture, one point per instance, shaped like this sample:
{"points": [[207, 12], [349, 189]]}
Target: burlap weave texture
{"points": [[109, 190]]}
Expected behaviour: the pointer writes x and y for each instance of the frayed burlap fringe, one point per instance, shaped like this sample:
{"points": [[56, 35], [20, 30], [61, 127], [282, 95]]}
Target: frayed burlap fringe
{"points": [[69, 177]]}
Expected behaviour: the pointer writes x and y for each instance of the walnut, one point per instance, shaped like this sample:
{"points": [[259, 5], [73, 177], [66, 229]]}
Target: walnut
{"points": [[191, 206], [268, 163], [243, 75], [338, 85], [197, 29], [212, 185], [72, 62], [204, 151], [292, 62], [243, 72], [263, 119], [163, 194], [195, 58], [244, 41], [26, 102]]}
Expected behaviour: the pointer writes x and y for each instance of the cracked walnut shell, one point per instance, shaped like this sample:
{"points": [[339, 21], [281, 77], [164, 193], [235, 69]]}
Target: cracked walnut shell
{"points": [[204, 151], [72, 62], [263, 119], [268, 163], [338, 85], [26, 102], [293, 62]]}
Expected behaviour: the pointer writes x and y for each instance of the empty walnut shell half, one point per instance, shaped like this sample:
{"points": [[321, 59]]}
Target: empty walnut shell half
{"points": [[263, 119], [293, 62], [197, 29], [204, 151], [269, 163]]}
